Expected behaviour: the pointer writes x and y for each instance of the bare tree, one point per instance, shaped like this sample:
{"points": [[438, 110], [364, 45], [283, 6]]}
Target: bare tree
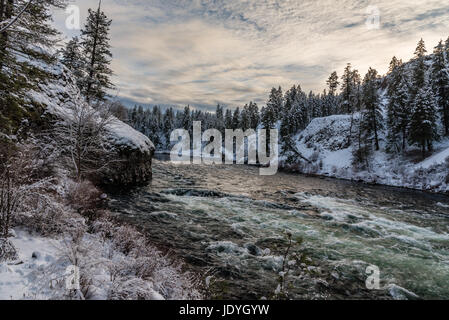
{"points": [[81, 136], [19, 180]]}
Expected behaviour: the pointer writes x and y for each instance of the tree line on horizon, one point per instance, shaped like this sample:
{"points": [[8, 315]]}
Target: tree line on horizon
{"points": [[414, 96]]}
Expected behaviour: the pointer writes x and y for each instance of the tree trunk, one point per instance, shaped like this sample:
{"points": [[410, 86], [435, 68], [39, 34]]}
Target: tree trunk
{"points": [[376, 137], [6, 11], [350, 129], [93, 57], [2, 8], [446, 121], [8, 204], [404, 140], [429, 146]]}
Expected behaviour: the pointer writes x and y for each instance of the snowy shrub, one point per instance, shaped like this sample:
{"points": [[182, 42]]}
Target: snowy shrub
{"points": [[132, 289], [21, 186], [7, 251], [44, 212], [83, 195], [103, 227], [127, 240], [106, 273]]}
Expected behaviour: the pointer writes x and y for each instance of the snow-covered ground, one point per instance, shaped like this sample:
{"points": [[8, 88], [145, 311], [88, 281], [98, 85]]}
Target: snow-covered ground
{"points": [[18, 278], [436, 159], [325, 143], [106, 271]]}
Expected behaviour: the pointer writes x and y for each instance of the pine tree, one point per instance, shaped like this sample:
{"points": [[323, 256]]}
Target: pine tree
{"points": [[300, 110], [254, 117], [419, 69], [356, 95], [71, 54], [219, 120], [333, 83], [24, 47], [71, 58], [287, 121], [97, 55], [355, 99], [272, 111], [245, 118], [394, 64], [362, 152], [398, 111], [347, 90], [168, 126], [228, 119], [275, 104], [236, 119], [440, 81], [186, 121], [372, 119], [423, 123]]}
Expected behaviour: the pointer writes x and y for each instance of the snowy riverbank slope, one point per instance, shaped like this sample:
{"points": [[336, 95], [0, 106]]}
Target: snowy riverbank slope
{"points": [[325, 143], [64, 223]]}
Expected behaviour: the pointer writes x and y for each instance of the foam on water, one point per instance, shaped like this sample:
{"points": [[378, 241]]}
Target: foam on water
{"points": [[236, 228]]}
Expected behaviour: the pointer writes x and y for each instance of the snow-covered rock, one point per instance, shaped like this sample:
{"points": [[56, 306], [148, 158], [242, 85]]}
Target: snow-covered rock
{"points": [[58, 97]]}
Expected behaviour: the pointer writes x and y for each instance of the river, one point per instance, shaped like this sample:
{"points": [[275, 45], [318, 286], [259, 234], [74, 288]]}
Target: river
{"points": [[232, 227]]}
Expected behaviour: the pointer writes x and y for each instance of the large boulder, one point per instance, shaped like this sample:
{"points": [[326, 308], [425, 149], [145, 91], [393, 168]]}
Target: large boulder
{"points": [[133, 150]]}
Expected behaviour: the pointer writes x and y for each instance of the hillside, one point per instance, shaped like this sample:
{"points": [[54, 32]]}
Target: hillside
{"points": [[325, 143]]}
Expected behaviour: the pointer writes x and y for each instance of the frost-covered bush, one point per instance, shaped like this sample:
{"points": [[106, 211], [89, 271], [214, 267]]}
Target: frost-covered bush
{"points": [[108, 273], [23, 188], [83, 195], [45, 212], [132, 289], [7, 251]]}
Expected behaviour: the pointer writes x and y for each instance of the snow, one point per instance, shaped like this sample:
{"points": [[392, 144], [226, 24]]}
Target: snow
{"points": [[41, 271], [122, 134], [436, 159], [17, 281], [60, 96], [325, 143]]}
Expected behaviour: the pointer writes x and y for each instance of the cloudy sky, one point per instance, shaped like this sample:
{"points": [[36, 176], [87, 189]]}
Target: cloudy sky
{"points": [[204, 52]]}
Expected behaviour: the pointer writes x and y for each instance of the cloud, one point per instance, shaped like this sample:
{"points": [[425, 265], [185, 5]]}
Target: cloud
{"points": [[232, 51]]}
